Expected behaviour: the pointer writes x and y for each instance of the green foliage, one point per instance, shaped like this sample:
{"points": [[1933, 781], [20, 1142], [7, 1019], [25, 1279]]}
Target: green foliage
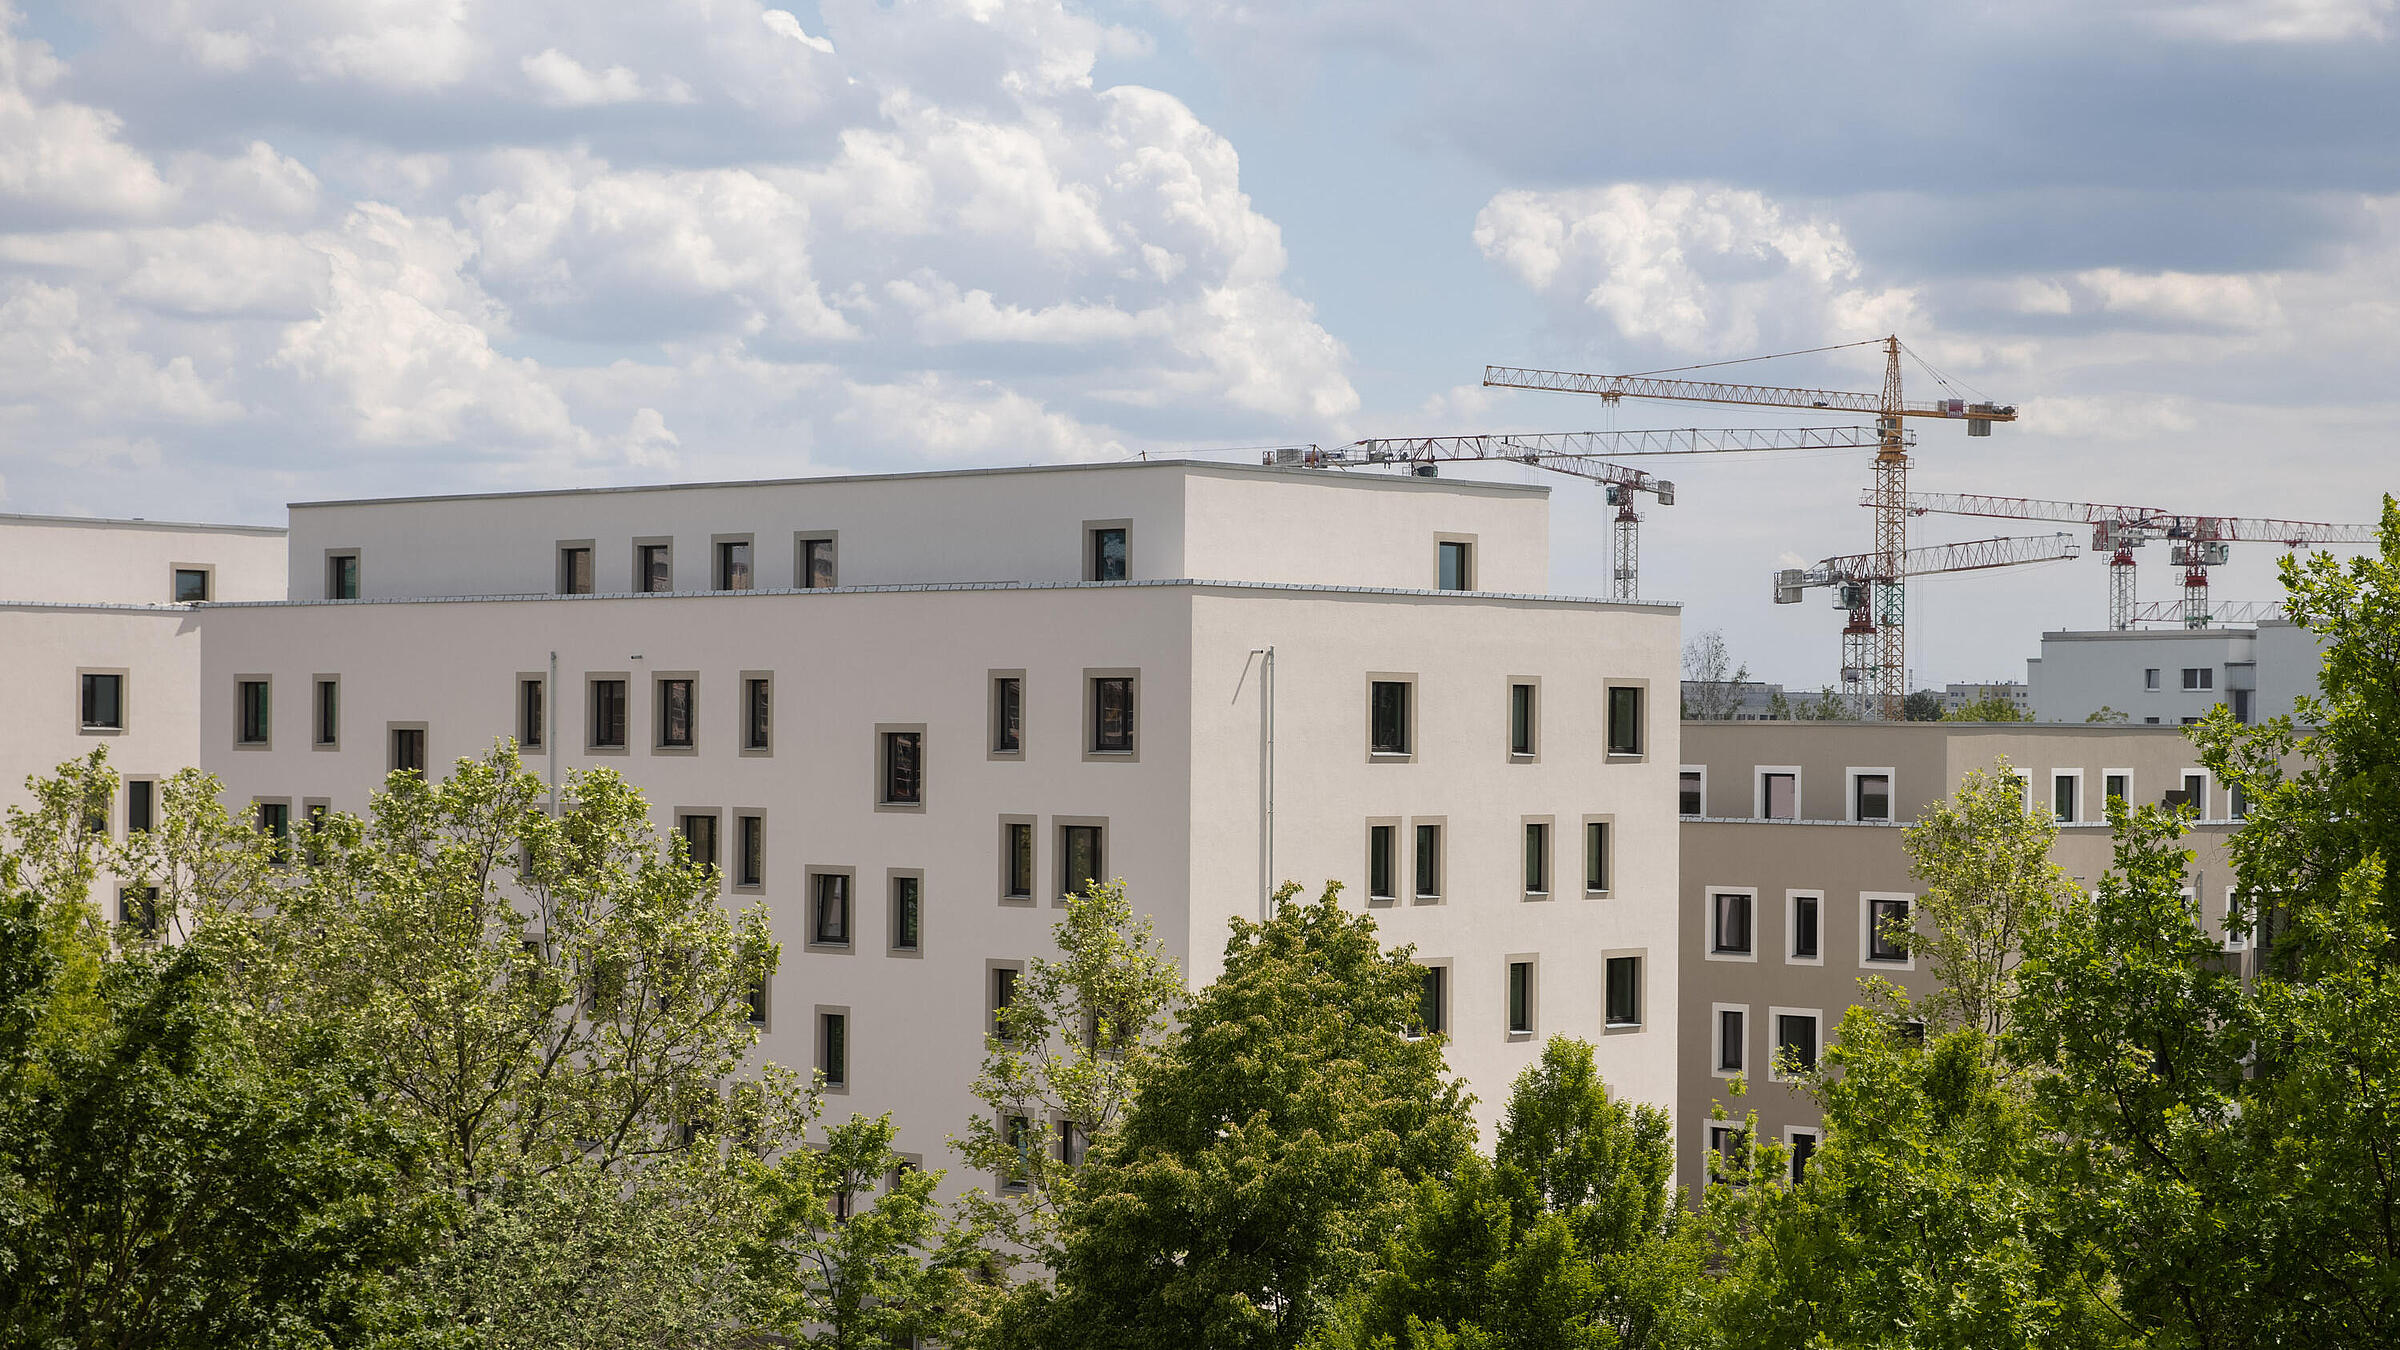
{"points": [[1989, 885], [1274, 1146], [1991, 708], [1827, 706], [2105, 713], [1921, 705]]}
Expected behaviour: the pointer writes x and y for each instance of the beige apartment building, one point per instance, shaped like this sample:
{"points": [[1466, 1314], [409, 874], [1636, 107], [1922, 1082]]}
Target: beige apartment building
{"points": [[1792, 850]]}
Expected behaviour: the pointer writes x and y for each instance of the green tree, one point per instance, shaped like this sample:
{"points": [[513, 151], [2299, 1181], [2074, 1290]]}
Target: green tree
{"points": [[1273, 1147], [1990, 708], [1989, 883], [2105, 713], [1921, 705], [1827, 706], [1712, 680]]}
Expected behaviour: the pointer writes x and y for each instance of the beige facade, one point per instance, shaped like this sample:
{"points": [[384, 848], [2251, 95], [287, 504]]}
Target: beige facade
{"points": [[1789, 825]]}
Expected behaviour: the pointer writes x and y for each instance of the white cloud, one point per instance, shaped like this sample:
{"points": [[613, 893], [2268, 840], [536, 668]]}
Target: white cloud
{"points": [[2292, 21], [394, 44], [61, 156], [564, 82], [2223, 301], [782, 21]]}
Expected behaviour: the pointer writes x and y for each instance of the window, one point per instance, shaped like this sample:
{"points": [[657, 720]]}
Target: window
{"points": [[408, 749], [1016, 860], [1433, 1000], [1625, 720], [833, 1048], [1520, 719], [191, 585], [1688, 793], [812, 562], [699, 830], [275, 822], [733, 564], [750, 851], [1595, 857], [2199, 677], [1520, 998], [1112, 715], [608, 714], [1108, 554], [1429, 862], [575, 569], [1004, 996], [829, 909], [1008, 714], [1804, 927], [654, 567], [1624, 999], [1804, 1147], [1382, 881], [1455, 565], [1779, 795], [1387, 717], [529, 712], [137, 909], [1537, 858], [1883, 917], [1730, 933], [103, 702], [2118, 786], [757, 709], [908, 913], [2150, 678], [1732, 1038], [2241, 705], [904, 768], [2062, 796], [1070, 1142], [2195, 794], [675, 713], [756, 997], [341, 576], [329, 712], [254, 719], [1796, 1041], [1020, 1142], [1081, 862], [2237, 802], [1871, 796], [141, 804], [1730, 1147]]}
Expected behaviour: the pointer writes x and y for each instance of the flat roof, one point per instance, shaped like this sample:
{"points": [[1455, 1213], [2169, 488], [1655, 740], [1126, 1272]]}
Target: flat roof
{"points": [[1395, 482], [2146, 634], [137, 523], [1832, 728]]}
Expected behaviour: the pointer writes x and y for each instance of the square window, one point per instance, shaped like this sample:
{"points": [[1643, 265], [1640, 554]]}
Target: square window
{"points": [[758, 698], [1008, 714], [1805, 909], [1387, 717], [1731, 930], [1112, 715], [1429, 862], [833, 1048], [608, 714], [104, 702], [676, 715], [1796, 1040], [829, 909], [255, 712], [750, 856], [341, 576], [1687, 792], [1455, 565], [1624, 975], [1016, 860], [575, 569], [530, 701], [1871, 796], [1081, 860], [1433, 1000], [1382, 868], [1882, 917], [1109, 560], [733, 564], [1595, 856], [813, 560], [191, 585], [1537, 858], [904, 768], [699, 837], [1520, 998], [908, 913], [1520, 719], [329, 712], [653, 567], [1624, 719], [1732, 1039]]}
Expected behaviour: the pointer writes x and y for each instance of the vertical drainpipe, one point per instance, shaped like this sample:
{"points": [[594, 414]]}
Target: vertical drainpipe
{"points": [[550, 732], [1266, 898]]}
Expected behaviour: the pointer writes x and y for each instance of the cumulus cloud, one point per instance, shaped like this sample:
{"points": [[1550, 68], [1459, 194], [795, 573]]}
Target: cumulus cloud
{"points": [[564, 82]]}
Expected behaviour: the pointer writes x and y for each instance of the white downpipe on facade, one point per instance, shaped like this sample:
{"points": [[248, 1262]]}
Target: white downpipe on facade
{"points": [[1266, 899]]}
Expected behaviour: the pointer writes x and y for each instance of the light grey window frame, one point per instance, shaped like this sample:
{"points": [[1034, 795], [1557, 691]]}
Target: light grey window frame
{"points": [[892, 877], [1854, 781], [1470, 564], [884, 731], [1392, 860], [659, 682], [641, 559], [1775, 1043], [1711, 934], [358, 573], [715, 816], [391, 746], [1009, 825], [1092, 530], [1537, 855], [565, 580], [1640, 957], [1440, 975], [592, 680], [1408, 718], [1092, 676], [1059, 825], [241, 712], [803, 577], [208, 582], [325, 733], [1532, 964], [1792, 955], [810, 893], [1441, 859], [1641, 720], [1607, 826], [1761, 805], [747, 686], [1531, 753], [993, 680], [719, 577], [541, 734], [827, 1017], [748, 821], [124, 688]]}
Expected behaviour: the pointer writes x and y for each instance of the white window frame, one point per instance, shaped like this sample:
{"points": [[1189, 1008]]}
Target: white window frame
{"points": [[1791, 927], [1716, 1039], [1641, 990], [2082, 804], [1758, 791], [1680, 771], [1792, 1133], [1708, 924], [1774, 1045], [1866, 930], [2208, 789], [1891, 792], [2105, 775]]}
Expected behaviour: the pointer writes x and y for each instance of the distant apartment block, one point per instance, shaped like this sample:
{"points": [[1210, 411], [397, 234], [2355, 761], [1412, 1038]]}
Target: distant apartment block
{"points": [[2170, 676], [1958, 696]]}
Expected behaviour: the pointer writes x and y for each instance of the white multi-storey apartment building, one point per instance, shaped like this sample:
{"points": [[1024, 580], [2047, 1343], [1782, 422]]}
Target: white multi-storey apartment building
{"points": [[908, 712]]}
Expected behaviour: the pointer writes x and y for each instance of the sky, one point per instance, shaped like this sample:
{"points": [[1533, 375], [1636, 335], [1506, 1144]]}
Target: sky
{"points": [[253, 253]]}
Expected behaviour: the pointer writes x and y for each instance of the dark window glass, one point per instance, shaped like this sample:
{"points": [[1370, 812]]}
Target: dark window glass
{"points": [[1731, 1144], [141, 804], [654, 567], [1008, 714], [756, 997], [1880, 944], [1733, 924], [1081, 863], [1520, 719], [1108, 554], [1380, 881], [137, 908], [574, 571], [1004, 994], [104, 702], [753, 856], [1797, 1035], [1020, 860], [2195, 794], [733, 565], [1595, 855], [1804, 1147], [907, 913], [1624, 990], [700, 839], [1731, 1035], [816, 564], [1022, 1140], [2118, 788], [329, 712], [1457, 566], [2062, 798], [1070, 1143], [1429, 861], [1804, 926], [1874, 796], [529, 714], [1520, 996], [1687, 800], [275, 822], [1432, 1006], [408, 748], [608, 714], [1112, 715], [904, 768], [833, 1047], [1625, 720], [757, 714], [341, 576], [675, 714], [1387, 732], [191, 585], [1537, 858], [829, 918], [256, 718]]}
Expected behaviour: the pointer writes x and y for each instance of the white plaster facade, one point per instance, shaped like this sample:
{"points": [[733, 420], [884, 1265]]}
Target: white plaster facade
{"points": [[2168, 676]]}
